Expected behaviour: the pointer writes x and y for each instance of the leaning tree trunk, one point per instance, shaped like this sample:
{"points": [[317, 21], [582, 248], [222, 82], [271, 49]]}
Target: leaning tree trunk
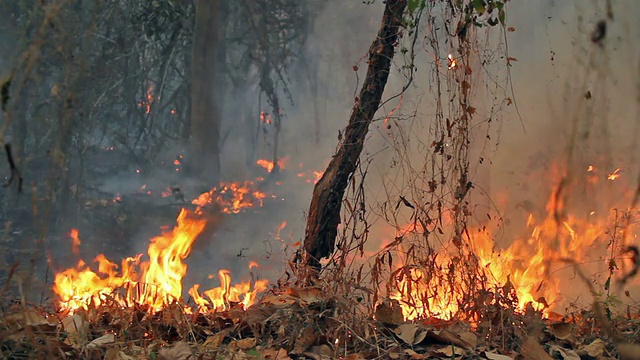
{"points": [[324, 211], [205, 115]]}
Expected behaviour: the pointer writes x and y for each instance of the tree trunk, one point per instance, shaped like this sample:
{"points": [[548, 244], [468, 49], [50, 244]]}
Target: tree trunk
{"points": [[324, 211], [205, 115]]}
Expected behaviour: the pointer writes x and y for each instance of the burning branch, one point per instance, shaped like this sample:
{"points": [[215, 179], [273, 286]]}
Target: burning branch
{"points": [[324, 211]]}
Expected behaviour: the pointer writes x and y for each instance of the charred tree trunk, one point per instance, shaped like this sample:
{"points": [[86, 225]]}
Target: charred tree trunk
{"points": [[205, 115], [324, 211]]}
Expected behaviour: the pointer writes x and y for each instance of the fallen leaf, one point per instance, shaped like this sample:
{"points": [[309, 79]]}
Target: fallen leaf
{"points": [[532, 350], [566, 354], [213, 342], [628, 351], [463, 339], [102, 340], [243, 344], [415, 355], [394, 355], [450, 352], [493, 356], [407, 333], [309, 295], [307, 338], [178, 351], [116, 354], [595, 349], [354, 357], [562, 330], [279, 354], [389, 312], [77, 330]]}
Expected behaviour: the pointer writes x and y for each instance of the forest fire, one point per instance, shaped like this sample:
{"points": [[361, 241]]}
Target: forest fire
{"points": [[270, 165], [157, 282], [527, 268]]}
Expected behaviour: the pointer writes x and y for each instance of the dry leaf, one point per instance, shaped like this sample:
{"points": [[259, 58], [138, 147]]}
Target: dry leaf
{"points": [[243, 344], [213, 342], [493, 356], [414, 355], [102, 340], [628, 351], [394, 355], [307, 338], [178, 351], [116, 354], [463, 338], [594, 349], [566, 354], [389, 312], [279, 354], [354, 357], [407, 333], [532, 350], [308, 295], [562, 331], [448, 352], [77, 330]]}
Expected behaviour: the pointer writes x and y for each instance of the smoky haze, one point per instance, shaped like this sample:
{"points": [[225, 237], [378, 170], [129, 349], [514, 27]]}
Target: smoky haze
{"points": [[555, 68]]}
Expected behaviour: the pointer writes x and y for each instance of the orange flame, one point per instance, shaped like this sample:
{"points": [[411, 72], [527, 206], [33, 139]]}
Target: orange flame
{"points": [[75, 242], [270, 165], [157, 282], [527, 266]]}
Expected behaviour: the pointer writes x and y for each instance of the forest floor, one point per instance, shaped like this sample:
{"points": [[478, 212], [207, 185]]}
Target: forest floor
{"points": [[305, 323]]}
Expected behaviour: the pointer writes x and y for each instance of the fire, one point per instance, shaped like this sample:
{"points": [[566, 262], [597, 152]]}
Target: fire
{"points": [[452, 62], [528, 267], [232, 198], [157, 282], [614, 175], [147, 101], [75, 241], [270, 165], [311, 177]]}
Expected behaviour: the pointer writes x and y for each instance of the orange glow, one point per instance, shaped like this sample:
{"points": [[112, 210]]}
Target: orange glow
{"points": [[452, 62], [529, 266], [311, 177], [75, 242], [148, 100], [614, 175], [231, 198], [270, 165], [157, 282]]}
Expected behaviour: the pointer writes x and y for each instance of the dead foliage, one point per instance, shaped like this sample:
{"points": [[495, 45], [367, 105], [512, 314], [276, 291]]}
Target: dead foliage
{"points": [[302, 323]]}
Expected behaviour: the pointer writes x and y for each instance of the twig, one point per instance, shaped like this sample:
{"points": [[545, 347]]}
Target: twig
{"points": [[15, 173]]}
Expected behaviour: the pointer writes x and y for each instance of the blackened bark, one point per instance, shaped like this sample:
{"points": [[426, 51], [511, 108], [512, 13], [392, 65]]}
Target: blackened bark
{"points": [[324, 211]]}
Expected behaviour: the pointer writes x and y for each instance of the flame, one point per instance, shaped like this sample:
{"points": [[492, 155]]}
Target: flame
{"points": [[452, 62], [147, 101], [75, 241], [614, 175], [528, 267], [270, 165], [232, 198], [311, 177], [157, 282]]}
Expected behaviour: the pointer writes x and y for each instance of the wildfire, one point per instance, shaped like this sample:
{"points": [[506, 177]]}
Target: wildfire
{"points": [[75, 241], [270, 165], [232, 198], [157, 282], [526, 268], [614, 175], [311, 177], [452, 62]]}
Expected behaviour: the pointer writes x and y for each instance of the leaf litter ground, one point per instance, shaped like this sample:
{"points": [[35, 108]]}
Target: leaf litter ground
{"points": [[302, 323]]}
